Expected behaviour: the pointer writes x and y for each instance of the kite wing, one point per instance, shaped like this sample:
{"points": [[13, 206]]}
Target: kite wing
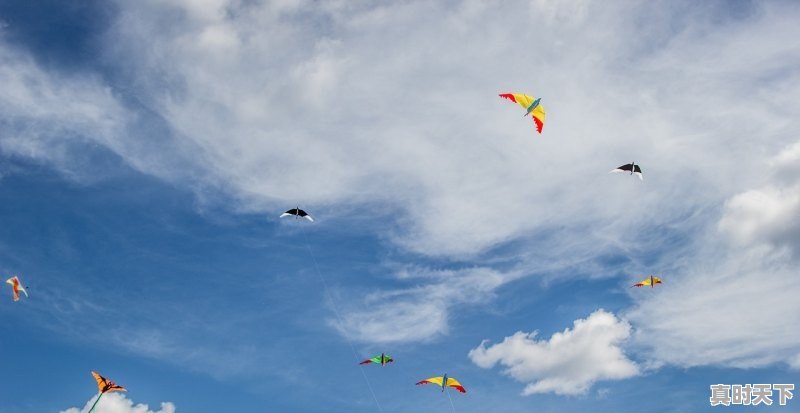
{"points": [[451, 382], [649, 281], [624, 168], [376, 360], [526, 101], [105, 385], [630, 168], [298, 213], [16, 287], [433, 380]]}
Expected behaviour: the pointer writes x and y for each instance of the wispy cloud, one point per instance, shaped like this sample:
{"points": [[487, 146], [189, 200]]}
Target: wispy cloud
{"points": [[421, 312], [730, 304]]}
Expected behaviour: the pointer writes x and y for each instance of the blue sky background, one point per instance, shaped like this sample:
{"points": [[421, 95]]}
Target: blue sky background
{"points": [[146, 150]]}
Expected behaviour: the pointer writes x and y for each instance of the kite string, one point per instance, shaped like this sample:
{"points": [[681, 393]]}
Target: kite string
{"points": [[95, 402], [452, 406], [335, 308]]}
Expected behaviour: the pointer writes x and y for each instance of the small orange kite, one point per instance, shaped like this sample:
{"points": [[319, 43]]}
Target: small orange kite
{"points": [[104, 386]]}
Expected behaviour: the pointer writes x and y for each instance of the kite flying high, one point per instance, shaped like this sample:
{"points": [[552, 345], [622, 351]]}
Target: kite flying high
{"points": [[16, 287], [104, 386], [297, 213], [531, 106], [444, 382], [651, 281], [383, 360], [629, 167]]}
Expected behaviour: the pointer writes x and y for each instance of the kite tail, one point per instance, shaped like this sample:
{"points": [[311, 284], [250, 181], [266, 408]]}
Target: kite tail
{"points": [[339, 317], [95, 403]]}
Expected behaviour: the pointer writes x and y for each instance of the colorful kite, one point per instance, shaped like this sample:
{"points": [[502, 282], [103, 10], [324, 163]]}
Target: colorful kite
{"points": [[104, 386], [16, 287], [629, 167], [444, 382], [531, 106], [383, 360], [651, 281], [297, 213]]}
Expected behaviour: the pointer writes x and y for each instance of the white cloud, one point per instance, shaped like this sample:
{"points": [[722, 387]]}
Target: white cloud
{"points": [[280, 102], [380, 103], [795, 362], [342, 104], [46, 116], [419, 313], [118, 403], [771, 214], [570, 362], [768, 214], [732, 304]]}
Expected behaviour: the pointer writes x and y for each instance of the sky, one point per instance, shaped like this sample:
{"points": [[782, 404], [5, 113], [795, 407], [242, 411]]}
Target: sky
{"points": [[148, 148]]}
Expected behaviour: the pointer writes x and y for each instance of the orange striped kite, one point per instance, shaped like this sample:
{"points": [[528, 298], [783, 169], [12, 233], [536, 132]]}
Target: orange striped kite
{"points": [[444, 382], [104, 386], [531, 106], [16, 287], [651, 281]]}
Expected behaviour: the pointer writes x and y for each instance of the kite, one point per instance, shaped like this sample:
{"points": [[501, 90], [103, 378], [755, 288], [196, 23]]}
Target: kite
{"points": [[298, 213], [104, 386], [383, 360], [16, 287], [651, 281], [629, 167], [531, 105], [444, 382]]}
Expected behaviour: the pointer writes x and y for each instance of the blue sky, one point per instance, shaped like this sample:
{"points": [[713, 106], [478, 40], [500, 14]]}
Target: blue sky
{"points": [[147, 149]]}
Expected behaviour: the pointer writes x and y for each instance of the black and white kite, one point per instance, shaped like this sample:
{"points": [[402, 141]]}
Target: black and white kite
{"points": [[297, 213], [632, 168]]}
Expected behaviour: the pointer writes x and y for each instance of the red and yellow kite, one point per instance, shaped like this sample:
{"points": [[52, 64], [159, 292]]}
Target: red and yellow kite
{"points": [[651, 281], [531, 106], [444, 382]]}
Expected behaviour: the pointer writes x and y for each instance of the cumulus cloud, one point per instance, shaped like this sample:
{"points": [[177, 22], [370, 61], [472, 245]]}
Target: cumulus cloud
{"points": [[570, 362], [770, 214], [118, 403]]}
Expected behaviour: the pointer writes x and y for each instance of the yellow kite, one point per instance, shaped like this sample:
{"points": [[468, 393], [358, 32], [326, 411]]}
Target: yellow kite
{"points": [[530, 105], [651, 281], [444, 382]]}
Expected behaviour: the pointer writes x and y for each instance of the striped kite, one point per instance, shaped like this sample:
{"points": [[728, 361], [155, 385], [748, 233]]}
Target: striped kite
{"points": [[297, 213], [383, 360], [104, 386], [651, 281], [16, 287], [531, 106], [444, 382]]}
